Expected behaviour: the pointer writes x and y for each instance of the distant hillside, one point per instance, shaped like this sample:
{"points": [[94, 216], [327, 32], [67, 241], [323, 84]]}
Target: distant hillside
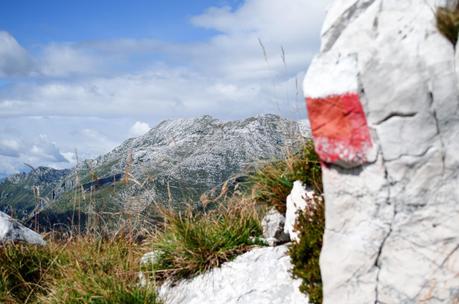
{"points": [[176, 162], [16, 193]]}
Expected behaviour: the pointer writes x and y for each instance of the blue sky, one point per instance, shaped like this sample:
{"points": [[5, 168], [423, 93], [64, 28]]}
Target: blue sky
{"points": [[38, 22], [87, 75]]}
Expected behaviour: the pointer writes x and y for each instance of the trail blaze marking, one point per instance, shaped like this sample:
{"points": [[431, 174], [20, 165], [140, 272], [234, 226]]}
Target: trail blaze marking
{"points": [[339, 128]]}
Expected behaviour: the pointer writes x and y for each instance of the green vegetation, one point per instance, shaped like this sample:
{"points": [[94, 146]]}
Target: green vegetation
{"points": [[448, 23], [273, 182], [306, 253], [81, 270], [22, 270], [190, 244]]}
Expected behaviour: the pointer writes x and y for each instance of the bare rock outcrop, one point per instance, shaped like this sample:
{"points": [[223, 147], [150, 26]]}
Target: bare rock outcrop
{"points": [[260, 276], [12, 231], [383, 104]]}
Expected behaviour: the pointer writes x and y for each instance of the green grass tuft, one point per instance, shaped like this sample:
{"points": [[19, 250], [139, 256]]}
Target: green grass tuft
{"points": [[273, 182], [190, 244]]}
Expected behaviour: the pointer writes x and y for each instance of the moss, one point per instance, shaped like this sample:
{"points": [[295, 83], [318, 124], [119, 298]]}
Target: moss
{"points": [[448, 23]]}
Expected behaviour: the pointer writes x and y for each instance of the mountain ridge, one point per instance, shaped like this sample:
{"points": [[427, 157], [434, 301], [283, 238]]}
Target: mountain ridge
{"points": [[177, 161]]}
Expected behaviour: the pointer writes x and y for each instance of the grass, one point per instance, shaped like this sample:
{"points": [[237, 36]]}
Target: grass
{"points": [[448, 23], [22, 270], [272, 183], [190, 244], [84, 269]]}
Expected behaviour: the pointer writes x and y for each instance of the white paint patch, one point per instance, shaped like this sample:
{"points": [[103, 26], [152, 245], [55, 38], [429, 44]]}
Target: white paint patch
{"points": [[331, 74]]}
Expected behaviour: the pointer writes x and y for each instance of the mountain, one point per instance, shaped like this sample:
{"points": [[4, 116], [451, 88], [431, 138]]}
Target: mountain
{"points": [[175, 162], [17, 194]]}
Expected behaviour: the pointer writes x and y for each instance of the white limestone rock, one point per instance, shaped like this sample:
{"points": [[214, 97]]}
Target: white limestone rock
{"points": [[148, 258], [298, 199], [392, 234], [260, 276], [273, 228], [12, 231]]}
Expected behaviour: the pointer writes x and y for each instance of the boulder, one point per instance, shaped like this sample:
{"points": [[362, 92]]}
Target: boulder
{"points": [[260, 276], [12, 231], [273, 228], [383, 103], [298, 199]]}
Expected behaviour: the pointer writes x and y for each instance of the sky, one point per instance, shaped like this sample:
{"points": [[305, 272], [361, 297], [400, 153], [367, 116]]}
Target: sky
{"points": [[80, 77]]}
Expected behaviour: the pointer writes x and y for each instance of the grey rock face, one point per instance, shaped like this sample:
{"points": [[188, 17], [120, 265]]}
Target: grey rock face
{"points": [[273, 228], [13, 231], [260, 276], [392, 234]]}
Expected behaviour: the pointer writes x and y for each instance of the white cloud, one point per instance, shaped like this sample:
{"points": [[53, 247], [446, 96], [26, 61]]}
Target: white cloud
{"points": [[39, 151], [9, 147], [229, 69], [43, 149], [67, 59], [139, 128], [294, 25], [14, 60]]}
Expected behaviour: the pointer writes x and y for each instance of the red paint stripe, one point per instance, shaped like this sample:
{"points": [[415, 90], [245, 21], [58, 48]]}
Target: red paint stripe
{"points": [[339, 128]]}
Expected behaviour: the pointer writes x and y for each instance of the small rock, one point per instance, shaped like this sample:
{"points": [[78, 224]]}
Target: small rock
{"points": [[273, 228], [297, 200], [12, 231], [148, 258]]}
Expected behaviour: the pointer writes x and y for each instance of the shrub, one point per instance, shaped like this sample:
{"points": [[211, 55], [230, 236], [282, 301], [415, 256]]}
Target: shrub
{"points": [[190, 244], [448, 23], [305, 254], [273, 182]]}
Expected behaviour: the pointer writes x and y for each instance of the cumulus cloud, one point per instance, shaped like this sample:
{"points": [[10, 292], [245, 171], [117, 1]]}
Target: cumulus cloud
{"points": [[39, 151], [42, 149], [257, 29], [139, 128], [14, 60]]}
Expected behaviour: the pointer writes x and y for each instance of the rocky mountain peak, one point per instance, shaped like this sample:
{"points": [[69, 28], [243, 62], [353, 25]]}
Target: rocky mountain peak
{"points": [[176, 160]]}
